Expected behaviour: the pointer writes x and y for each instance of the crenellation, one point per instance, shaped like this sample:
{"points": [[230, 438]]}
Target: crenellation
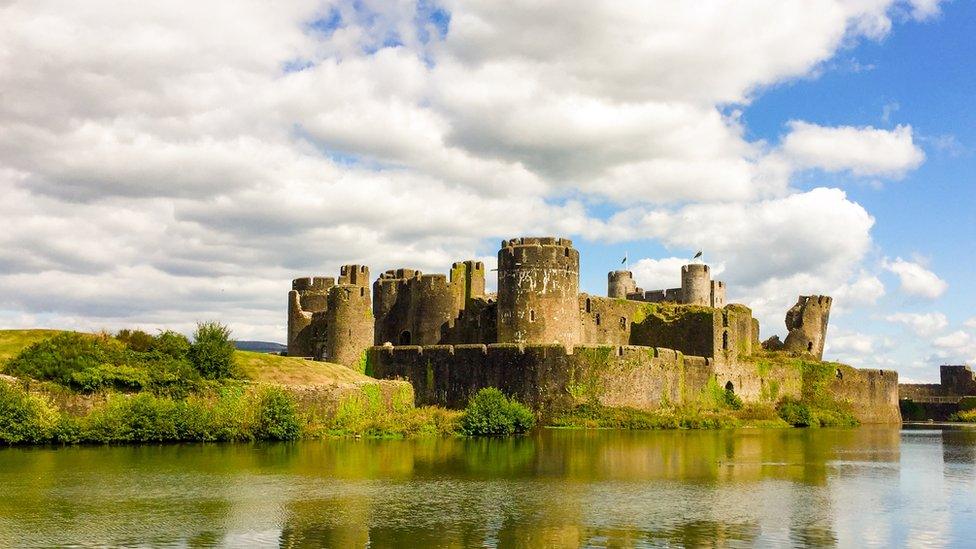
{"points": [[543, 341]]}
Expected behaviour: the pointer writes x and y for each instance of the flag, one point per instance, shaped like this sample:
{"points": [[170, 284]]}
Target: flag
{"points": [[699, 254], [624, 260]]}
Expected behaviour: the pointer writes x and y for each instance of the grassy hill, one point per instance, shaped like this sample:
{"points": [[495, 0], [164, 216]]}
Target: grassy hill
{"points": [[12, 341], [259, 367], [286, 370]]}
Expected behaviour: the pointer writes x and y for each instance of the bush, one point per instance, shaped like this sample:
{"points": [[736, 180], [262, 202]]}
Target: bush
{"points": [[491, 413], [25, 417], [136, 340], [90, 363], [795, 413], [212, 352], [172, 344], [277, 417]]}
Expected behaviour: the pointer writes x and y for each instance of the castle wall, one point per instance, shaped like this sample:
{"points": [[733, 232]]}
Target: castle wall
{"points": [[545, 376], [549, 379], [871, 394], [606, 321], [309, 295], [538, 291]]}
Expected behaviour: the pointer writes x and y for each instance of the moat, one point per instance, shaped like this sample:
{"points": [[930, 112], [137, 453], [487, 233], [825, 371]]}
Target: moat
{"points": [[871, 486]]}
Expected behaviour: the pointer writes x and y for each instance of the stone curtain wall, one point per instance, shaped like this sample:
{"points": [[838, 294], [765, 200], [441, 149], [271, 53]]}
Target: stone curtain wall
{"points": [[548, 378]]}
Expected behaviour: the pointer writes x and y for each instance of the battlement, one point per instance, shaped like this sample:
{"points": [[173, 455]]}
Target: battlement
{"points": [[319, 283], [536, 257], [354, 274], [695, 268], [400, 274], [537, 241], [469, 264]]}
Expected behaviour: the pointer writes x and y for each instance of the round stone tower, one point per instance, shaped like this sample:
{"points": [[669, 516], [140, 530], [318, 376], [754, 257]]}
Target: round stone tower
{"points": [[696, 285], [620, 284], [348, 324], [538, 288]]}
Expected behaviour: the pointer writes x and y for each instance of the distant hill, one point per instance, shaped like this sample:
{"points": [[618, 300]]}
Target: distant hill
{"points": [[260, 346]]}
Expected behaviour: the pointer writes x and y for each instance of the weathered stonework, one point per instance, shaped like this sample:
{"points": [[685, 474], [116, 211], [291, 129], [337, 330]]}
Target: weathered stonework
{"points": [[538, 289], [330, 321], [544, 342], [807, 325]]}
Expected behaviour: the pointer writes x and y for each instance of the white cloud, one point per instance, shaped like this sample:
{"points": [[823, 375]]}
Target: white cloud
{"points": [[970, 323], [864, 151], [916, 279], [923, 324], [162, 165], [956, 340]]}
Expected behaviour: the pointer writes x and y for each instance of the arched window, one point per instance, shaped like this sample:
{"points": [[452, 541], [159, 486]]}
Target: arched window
{"points": [[810, 347], [598, 319], [531, 315], [725, 341], [587, 304]]}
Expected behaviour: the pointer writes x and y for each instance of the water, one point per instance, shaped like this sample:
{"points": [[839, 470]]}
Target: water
{"points": [[851, 488]]}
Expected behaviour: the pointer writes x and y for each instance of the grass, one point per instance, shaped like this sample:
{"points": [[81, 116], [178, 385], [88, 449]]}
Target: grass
{"points": [[286, 370], [258, 367], [14, 341]]}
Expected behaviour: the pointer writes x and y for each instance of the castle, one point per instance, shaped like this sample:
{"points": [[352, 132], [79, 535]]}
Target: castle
{"points": [[542, 340]]}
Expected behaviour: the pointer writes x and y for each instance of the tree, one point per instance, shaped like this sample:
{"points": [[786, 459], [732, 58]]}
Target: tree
{"points": [[212, 351]]}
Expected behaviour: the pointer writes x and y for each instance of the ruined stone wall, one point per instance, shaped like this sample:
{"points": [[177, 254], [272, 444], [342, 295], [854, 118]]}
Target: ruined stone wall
{"points": [[309, 295], [921, 390], [538, 291], [545, 376], [429, 309], [606, 321], [690, 330], [807, 324], [957, 380], [871, 394]]}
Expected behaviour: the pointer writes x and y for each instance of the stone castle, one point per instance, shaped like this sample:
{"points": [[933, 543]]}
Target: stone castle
{"points": [[542, 340]]}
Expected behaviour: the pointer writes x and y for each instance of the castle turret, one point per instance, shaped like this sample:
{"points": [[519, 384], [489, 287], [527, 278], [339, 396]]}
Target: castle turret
{"points": [[696, 286], [308, 295], [807, 323], [348, 324], [538, 285], [468, 281], [357, 275], [621, 284]]}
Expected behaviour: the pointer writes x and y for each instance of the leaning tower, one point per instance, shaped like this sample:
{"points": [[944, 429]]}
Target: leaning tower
{"points": [[538, 288]]}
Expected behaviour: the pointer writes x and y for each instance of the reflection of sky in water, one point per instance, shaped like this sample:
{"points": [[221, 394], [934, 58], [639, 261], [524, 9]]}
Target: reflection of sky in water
{"points": [[868, 487]]}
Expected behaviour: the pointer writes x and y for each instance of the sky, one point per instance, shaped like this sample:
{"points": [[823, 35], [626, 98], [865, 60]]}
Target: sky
{"points": [[163, 164]]}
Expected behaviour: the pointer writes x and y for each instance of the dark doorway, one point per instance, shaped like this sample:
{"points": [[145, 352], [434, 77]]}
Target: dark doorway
{"points": [[729, 387], [404, 338]]}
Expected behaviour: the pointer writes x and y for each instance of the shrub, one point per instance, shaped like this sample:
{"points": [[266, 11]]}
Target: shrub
{"points": [[58, 357], [277, 416], [968, 416], [491, 413], [795, 413], [171, 343], [136, 340], [212, 352], [25, 417]]}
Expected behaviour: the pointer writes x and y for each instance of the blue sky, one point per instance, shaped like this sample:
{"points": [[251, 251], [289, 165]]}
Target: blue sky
{"points": [[165, 166]]}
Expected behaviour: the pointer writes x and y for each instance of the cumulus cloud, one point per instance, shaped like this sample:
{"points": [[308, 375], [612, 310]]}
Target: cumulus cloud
{"points": [[955, 340], [863, 151], [161, 164], [915, 279], [970, 323], [923, 324]]}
